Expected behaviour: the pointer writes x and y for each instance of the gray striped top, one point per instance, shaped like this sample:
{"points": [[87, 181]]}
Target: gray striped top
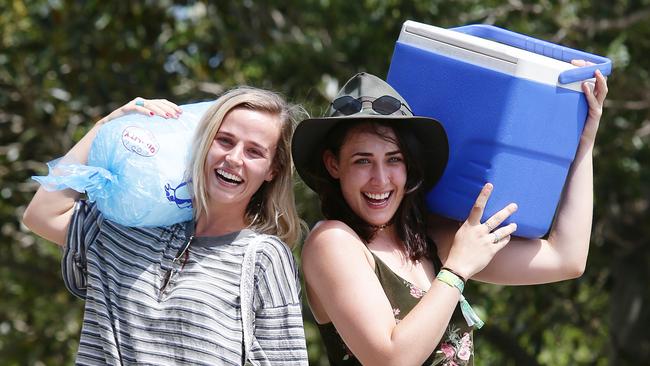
{"points": [[196, 319]]}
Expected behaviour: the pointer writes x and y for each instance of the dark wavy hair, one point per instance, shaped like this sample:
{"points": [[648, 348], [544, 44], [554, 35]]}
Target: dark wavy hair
{"points": [[410, 218]]}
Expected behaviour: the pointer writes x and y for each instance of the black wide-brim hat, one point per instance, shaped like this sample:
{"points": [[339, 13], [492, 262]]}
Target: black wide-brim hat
{"points": [[306, 145]]}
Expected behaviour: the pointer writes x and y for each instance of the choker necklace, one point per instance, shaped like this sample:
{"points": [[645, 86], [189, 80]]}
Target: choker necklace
{"points": [[381, 227]]}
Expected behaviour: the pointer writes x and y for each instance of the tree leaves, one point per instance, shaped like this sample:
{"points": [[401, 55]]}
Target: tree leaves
{"points": [[64, 64]]}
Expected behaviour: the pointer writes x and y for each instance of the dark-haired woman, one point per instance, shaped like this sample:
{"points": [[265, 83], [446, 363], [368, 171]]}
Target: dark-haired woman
{"points": [[382, 292]]}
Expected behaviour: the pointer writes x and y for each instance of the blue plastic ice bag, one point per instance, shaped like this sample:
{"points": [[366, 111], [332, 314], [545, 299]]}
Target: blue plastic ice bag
{"points": [[136, 168]]}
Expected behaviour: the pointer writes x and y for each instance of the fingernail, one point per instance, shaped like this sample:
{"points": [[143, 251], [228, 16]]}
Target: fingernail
{"points": [[167, 115], [151, 113]]}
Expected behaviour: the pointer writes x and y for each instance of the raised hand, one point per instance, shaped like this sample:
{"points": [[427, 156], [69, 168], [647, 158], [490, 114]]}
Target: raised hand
{"points": [[476, 243], [595, 95], [151, 107]]}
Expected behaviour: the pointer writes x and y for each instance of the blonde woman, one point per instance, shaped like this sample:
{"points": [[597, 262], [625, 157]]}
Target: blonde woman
{"points": [[182, 294]]}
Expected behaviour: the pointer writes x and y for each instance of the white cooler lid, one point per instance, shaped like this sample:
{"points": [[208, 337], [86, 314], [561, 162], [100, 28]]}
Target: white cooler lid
{"points": [[486, 53]]}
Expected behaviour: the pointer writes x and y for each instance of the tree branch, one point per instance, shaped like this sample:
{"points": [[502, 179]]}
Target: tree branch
{"points": [[593, 26], [630, 105]]}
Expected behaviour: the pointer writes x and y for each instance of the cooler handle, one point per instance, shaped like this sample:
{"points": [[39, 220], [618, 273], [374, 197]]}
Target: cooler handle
{"points": [[544, 48]]}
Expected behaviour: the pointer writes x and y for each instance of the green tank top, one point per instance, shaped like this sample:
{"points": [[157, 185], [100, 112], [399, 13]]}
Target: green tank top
{"points": [[455, 348]]}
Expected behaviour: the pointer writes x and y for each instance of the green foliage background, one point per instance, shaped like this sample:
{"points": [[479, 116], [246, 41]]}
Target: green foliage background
{"points": [[64, 64]]}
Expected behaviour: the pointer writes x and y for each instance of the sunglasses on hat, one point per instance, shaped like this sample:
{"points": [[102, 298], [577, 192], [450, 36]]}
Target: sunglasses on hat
{"points": [[385, 105]]}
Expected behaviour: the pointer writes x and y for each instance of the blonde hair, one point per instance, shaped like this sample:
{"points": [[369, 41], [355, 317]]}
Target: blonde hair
{"points": [[272, 209]]}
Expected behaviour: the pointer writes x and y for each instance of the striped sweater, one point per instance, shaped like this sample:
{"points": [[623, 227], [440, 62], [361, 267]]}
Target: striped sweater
{"points": [[143, 308]]}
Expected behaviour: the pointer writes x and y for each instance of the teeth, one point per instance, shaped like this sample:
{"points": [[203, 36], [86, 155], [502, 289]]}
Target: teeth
{"points": [[229, 176], [377, 196]]}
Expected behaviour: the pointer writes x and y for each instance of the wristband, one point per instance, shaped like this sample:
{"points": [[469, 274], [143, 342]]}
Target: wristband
{"points": [[454, 272], [456, 281]]}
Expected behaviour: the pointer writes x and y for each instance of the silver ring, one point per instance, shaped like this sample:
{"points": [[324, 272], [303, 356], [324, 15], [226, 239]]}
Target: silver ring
{"points": [[139, 103], [490, 228], [496, 238]]}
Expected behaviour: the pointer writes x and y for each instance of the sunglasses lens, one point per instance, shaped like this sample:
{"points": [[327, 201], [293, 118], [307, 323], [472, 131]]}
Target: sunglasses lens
{"points": [[347, 105], [386, 104]]}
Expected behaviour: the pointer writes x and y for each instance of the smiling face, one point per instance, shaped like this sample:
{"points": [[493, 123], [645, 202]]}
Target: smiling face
{"points": [[372, 173], [240, 158]]}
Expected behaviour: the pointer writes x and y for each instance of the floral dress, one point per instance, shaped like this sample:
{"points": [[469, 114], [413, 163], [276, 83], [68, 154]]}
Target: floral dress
{"points": [[455, 349]]}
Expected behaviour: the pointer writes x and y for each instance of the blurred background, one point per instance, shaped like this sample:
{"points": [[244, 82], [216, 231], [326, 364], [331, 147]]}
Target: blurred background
{"points": [[65, 64]]}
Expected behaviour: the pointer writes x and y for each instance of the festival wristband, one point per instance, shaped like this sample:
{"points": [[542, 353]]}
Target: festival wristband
{"points": [[456, 281], [454, 272]]}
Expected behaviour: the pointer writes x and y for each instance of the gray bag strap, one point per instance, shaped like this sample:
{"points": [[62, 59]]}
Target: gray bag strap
{"points": [[73, 261], [246, 293]]}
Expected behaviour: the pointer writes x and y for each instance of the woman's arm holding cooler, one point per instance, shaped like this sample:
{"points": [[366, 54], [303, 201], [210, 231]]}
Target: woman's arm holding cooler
{"points": [[48, 213], [564, 254]]}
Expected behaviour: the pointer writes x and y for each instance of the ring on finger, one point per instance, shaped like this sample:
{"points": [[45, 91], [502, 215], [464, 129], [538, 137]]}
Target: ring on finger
{"points": [[139, 103], [496, 238], [490, 228]]}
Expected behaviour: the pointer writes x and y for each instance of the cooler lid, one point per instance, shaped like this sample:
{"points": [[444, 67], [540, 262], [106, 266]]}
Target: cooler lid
{"points": [[486, 53]]}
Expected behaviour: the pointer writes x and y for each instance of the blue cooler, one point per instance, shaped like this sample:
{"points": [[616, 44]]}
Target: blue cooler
{"points": [[513, 110]]}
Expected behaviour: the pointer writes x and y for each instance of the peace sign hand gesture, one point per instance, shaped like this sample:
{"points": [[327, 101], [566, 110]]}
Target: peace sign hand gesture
{"points": [[476, 243]]}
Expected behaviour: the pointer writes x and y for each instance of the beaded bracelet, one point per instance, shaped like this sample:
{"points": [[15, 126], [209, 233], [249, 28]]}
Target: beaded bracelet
{"points": [[456, 281]]}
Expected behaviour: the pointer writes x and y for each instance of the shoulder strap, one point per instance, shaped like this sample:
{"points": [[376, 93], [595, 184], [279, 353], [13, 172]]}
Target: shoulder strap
{"points": [[73, 262], [433, 252], [246, 292]]}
